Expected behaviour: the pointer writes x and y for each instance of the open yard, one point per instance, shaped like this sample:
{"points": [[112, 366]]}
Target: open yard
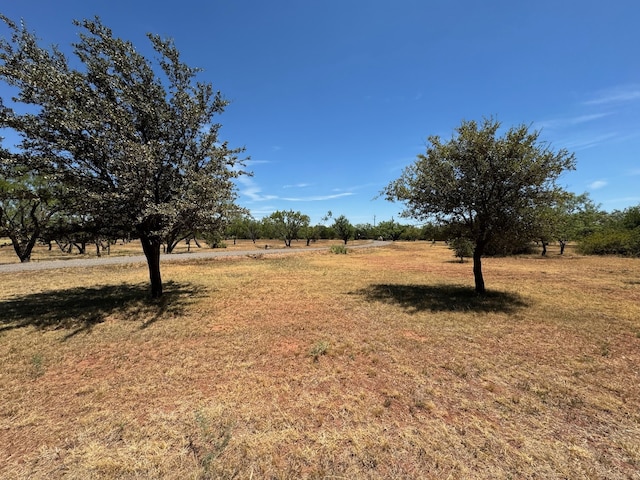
{"points": [[377, 364]]}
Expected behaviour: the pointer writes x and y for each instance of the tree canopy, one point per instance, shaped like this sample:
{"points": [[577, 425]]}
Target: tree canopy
{"points": [[287, 224], [491, 187], [132, 143]]}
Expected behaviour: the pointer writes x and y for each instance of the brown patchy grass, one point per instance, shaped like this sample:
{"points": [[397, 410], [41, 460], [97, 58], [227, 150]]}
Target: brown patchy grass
{"points": [[377, 364]]}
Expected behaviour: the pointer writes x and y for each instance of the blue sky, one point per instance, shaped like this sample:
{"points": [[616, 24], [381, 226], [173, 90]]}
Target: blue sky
{"points": [[332, 98]]}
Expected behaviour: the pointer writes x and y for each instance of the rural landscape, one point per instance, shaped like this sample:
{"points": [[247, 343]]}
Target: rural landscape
{"points": [[154, 325], [381, 363]]}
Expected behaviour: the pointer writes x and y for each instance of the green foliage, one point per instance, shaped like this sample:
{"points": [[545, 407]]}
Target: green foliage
{"points": [[339, 249], [390, 230], [612, 242], [133, 142], [27, 205], [215, 240], [343, 228], [286, 225], [618, 233], [462, 247], [490, 186], [37, 365]]}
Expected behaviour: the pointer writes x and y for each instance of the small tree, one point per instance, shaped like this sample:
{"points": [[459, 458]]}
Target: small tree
{"points": [[491, 186], [253, 228], [462, 247], [310, 234], [343, 228]]}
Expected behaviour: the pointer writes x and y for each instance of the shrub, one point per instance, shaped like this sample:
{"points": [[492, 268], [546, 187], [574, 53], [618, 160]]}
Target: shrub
{"points": [[462, 247], [318, 350], [612, 242], [339, 249]]}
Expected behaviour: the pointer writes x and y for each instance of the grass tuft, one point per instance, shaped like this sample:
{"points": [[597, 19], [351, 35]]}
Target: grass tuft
{"points": [[319, 349]]}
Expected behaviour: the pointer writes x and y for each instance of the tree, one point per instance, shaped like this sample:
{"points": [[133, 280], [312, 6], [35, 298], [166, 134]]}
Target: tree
{"points": [[570, 217], [390, 230], [343, 228], [490, 186], [253, 228], [134, 142], [309, 233], [27, 204], [287, 224], [462, 247]]}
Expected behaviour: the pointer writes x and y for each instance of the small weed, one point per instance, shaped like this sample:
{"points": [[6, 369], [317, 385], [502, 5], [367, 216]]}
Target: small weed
{"points": [[213, 437], [339, 249], [37, 365], [319, 349]]}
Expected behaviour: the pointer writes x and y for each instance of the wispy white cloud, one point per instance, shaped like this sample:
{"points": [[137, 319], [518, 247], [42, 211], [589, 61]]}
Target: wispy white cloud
{"points": [[571, 121], [297, 185], [598, 184], [257, 162], [589, 141], [616, 95], [253, 191], [355, 187], [622, 200], [250, 189], [317, 198], [635, 171]]}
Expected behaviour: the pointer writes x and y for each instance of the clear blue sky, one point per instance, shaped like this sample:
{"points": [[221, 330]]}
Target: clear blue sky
{"points": [[332, 98]]}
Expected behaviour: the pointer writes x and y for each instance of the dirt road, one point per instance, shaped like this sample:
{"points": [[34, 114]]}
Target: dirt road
{"points": [[92, 262]]}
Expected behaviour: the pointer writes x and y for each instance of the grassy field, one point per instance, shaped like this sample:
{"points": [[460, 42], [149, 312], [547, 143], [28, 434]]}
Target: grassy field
{"points": [[377, 364]]}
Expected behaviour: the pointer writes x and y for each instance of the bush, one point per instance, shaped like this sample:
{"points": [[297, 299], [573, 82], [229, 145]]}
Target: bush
{"points": [[462, 247], [612, 242], [214, 240], [339, 249]]}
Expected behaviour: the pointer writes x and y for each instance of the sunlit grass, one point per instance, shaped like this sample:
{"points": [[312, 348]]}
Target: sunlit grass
{"points": [[377, 364]]}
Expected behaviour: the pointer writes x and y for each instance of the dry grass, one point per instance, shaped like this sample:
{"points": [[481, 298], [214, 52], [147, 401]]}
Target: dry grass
{"points": [[43, 253], [377, 364]]}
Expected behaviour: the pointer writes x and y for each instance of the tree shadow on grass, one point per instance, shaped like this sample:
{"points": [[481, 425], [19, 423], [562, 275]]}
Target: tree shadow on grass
{"points": [[443, 298], [80, 309]]}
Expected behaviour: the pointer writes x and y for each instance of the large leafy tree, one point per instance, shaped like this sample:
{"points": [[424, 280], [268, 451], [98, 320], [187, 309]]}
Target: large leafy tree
{"points": [[491, 187], [134, 142]]}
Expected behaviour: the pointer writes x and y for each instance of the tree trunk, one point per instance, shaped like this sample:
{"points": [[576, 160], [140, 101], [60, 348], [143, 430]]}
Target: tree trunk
{"points": [[562, 245], [477, 267], [544, 248], [23, 249], [151, 247]]}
